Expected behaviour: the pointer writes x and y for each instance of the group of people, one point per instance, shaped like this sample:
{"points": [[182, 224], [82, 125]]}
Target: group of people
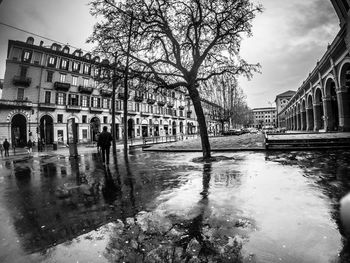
{"points": [[5, 146], [103, 145]]}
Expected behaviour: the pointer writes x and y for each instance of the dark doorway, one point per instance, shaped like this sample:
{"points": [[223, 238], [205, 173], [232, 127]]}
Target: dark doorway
{"points": [[19, 130], [95, 126], [46, 129], [131, 128], [144, 131]]}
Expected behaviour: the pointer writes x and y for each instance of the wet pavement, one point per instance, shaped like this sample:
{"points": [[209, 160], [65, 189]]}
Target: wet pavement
{"points": [[163, 207]]}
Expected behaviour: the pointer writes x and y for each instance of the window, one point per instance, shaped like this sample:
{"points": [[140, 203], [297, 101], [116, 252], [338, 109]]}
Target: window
{"points": [[51, 62], [74, 80], [105, 103], [59, 118], [76, 66], [85, 82], [49, 76], [73, 99], [104, 119], [60, 98], [94, 102], [27, 55], [84, 119], [47, 97], [20, 94], [37, 58], [16, 53], [86, 69], [64, 64], [62, 77], [23, 72], [84, 133], [137, 121], [84, 101]]}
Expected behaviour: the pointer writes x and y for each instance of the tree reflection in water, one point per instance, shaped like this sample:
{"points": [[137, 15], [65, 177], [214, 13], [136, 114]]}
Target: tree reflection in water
{"points": [[157, 236]]}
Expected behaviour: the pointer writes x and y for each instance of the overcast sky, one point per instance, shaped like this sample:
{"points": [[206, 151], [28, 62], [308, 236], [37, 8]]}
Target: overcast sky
{"points": [[288, 37]]}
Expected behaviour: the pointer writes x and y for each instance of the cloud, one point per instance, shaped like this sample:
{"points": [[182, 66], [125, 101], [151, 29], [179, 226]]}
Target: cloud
{"points": [[288, 39]]}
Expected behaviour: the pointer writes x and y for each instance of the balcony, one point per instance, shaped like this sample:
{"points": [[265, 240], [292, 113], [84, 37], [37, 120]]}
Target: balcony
{"points": [[86, 90], [170, 104], [161, 103], [145, 113], [151, 101], [121, 95], [106, 93], [181, 107], [138, 98], [47, 106], [73, 108], [21, 81], [96, 110], [15, 104], [61, 86]]}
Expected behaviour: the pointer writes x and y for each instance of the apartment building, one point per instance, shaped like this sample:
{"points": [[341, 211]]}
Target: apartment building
{"points": [[264, 117], [44, 86]]}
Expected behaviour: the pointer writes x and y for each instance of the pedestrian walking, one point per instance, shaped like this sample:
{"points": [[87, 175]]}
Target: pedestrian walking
{"points": [[6, 146], [30, 146], [104, 142]]}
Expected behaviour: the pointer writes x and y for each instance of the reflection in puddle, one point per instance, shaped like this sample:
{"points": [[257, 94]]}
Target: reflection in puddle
{"points": [[254, 208]]}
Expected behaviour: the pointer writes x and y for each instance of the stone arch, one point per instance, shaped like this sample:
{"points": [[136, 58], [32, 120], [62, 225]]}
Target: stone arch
{"points": [[331, 105], [174, 125], [303, 114], [131, 128], [309, 112], [46, 129], [343, 95], [298, 115], [318, 109], [95, 127], [19, 130]]}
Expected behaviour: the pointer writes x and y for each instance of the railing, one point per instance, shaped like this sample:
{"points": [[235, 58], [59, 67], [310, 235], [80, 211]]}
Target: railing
{"points": [[47, 106], [87, 90], [16, 103], [161, 139], [62, 86], [73, 108], [21, 81]]}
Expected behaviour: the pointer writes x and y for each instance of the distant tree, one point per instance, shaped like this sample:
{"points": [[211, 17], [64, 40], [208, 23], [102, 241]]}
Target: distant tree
{"points": [[180, 43]]}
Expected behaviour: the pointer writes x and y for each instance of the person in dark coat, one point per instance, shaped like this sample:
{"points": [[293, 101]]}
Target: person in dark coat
{"points": [[104, 142], [6, 145]]}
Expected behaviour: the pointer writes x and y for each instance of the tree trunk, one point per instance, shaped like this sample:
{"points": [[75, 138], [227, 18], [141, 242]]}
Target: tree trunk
{"points": [[113, 115], [193, 92]]}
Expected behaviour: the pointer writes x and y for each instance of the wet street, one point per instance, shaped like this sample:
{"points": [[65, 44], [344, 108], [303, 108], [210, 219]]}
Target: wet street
{"points": [[164, 207]]}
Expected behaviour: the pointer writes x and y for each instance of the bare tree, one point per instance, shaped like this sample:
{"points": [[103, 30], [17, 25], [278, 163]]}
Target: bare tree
{"points": [[178, 43]]}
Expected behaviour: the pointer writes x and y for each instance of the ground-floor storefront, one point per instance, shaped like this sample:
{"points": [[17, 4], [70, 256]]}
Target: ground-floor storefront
{"points": [[48, 127]]}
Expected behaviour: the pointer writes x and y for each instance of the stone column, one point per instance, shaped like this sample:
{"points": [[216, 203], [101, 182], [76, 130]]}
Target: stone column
{"points": [[328, 116], [317, 117], [303, 120], [343, 96], [309, 119]]}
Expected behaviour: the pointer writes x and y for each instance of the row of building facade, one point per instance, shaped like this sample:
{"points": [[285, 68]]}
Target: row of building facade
{"points": [[44, 86]]}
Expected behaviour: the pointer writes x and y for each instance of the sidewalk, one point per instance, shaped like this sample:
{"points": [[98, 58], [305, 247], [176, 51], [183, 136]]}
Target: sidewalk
{"points": [[244, 142]]}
